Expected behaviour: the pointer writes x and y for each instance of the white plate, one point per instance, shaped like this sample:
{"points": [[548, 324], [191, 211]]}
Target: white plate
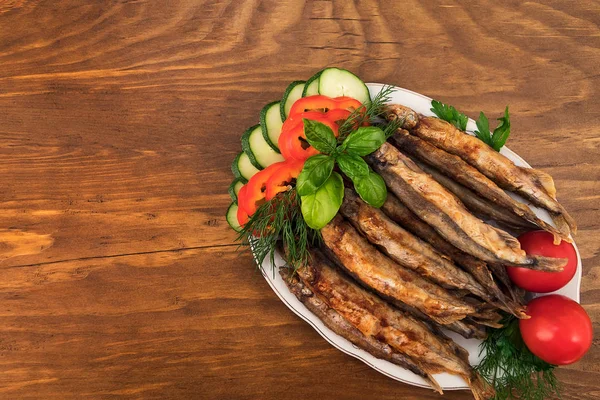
{"points": [[421, 104]]}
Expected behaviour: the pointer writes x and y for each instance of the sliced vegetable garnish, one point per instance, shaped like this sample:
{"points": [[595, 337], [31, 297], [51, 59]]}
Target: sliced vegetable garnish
{"points": [[283, 179], [259, 152], [293, 138], [231, 217], [312, 103], [270, 123], [242, 216], [336, 82], [292, 93], [312, 85], [242, 167], [235, 187], [254, 195]]}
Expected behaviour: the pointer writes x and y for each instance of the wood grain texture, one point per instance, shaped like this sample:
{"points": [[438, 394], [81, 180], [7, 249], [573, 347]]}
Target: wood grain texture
{"points": [[119, 120]]}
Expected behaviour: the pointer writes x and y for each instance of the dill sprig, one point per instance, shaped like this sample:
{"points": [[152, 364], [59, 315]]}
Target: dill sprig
{"points": [[392, 126], [367, 113], [280, 219], [512, 369]]}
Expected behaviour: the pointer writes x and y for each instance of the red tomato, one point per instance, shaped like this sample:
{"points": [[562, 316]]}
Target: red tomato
{"points": [[559, 330], [541, 243]]}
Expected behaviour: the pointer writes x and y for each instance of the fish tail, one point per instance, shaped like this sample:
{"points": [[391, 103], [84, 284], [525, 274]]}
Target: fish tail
{"points": [[434, 384], [544, 180], [449, 319], [548, 264], [479, 387], [568, 219]]}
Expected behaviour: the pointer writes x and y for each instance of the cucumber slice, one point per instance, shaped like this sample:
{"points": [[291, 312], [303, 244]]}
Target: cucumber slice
{"points": [[292, 93], [312, 85], [246, 146], [259, 152], [335, 82], [271, 123], [231, 217], [235, 187], [242, 167]]}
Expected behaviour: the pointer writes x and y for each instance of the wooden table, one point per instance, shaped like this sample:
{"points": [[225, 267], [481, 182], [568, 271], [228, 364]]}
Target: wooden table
{"points": [[119, 277]]}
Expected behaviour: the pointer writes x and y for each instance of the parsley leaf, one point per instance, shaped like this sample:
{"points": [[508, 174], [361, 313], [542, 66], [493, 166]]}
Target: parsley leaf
{"points": [[502, 131], [450, 114], [498, 138]]}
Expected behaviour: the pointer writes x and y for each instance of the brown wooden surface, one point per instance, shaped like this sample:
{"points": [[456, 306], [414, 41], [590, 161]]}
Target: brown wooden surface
{"points": [[119, 277]]}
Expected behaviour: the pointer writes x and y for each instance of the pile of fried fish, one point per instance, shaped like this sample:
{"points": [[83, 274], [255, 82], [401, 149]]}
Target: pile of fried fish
{"points": [[389, 279]]}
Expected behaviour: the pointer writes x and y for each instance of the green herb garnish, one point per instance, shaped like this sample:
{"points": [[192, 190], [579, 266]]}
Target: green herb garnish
{"points": [[450, 114], [280, 219], [366, 113], [512, 369], [321, 189], [496, 139], [295, 216]]}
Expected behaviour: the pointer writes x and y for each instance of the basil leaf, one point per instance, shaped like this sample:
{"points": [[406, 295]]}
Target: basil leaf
{"points": [[364, 141], [315, 172], [320, 207], [483, 129], [319, 136], [502, 131], [371, 188], [352, 165]]}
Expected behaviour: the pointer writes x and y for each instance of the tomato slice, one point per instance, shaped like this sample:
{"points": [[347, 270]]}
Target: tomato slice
{"points": [[254, 195], [281, 180], [312, 103]]}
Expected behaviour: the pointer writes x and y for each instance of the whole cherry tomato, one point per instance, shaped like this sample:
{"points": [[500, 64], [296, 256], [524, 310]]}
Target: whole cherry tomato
{"points": [[541, 243], [559, 330]]}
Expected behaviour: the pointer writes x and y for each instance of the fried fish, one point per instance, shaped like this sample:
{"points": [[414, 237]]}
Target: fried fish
{"points": [[448, 216], [534, 185], [376, 319], [406, 249], [462, 173], [378, 272]]}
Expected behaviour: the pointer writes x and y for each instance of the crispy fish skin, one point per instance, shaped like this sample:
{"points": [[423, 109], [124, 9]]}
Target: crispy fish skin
{"points": [[475, 203], [534, 185], [442, 210], [465, 328], [399, 213], [377, 319], [378, 272], [463, 173], [338, 324], [404, 248]]}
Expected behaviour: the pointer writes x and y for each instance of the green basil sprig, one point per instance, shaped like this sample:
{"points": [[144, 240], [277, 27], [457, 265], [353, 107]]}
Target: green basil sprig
{"points": [[321, 189]]}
